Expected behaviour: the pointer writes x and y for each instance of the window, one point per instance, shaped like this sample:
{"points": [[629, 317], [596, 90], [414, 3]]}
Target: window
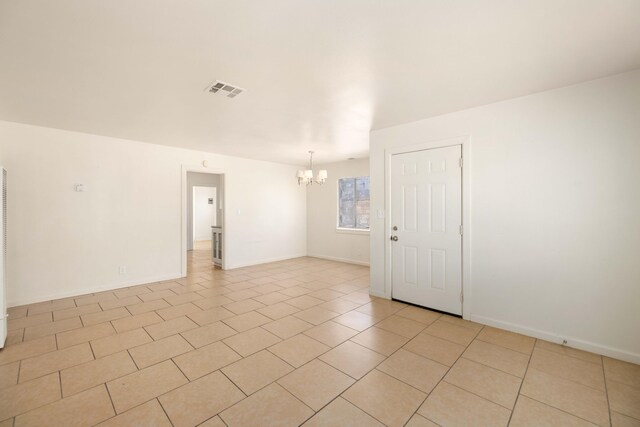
{"points": [[353, 203]]}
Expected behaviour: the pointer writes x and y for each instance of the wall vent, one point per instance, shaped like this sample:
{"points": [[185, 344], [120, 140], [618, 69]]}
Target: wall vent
{"points": [[224, 89]]}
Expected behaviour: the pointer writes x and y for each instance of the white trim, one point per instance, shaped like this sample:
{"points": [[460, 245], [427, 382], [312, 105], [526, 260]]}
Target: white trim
{"points": [[226, 232], [345, 260], [549, 336], [465, 142], [377, 294], [263, 261], [356, 231], [83, 292]]}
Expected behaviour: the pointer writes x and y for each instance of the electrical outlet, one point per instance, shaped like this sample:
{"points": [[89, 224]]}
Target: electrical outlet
{"points": [[123, 269]]}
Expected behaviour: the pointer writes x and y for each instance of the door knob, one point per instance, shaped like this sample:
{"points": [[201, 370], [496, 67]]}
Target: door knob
{"points": [[394, 238]]}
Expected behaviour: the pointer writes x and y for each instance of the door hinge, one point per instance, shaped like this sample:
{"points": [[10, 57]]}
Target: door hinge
{"points": [[461, 230], [460, 161], [461, 297]]}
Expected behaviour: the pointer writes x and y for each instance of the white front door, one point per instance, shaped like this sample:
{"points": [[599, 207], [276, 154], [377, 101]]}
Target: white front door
{"points": [[426, 208]]}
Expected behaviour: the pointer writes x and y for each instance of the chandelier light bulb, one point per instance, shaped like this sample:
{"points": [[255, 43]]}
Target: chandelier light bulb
{"points": [[306, 175]]}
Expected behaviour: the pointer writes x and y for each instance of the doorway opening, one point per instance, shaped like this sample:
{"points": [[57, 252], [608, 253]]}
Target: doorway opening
{"points": [[203, 220], [203, 216]]}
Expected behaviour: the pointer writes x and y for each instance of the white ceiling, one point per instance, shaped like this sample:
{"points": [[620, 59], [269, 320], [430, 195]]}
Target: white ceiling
{"points": [[319, 74]]}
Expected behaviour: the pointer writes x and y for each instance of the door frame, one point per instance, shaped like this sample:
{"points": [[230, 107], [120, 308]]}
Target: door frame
{"points": [[223, 198], [465, 142]]}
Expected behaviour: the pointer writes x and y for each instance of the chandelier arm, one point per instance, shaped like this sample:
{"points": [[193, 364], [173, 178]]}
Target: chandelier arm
{"points": [[307, 176]]}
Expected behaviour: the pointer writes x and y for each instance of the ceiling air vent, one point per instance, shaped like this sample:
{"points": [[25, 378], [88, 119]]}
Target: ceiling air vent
{"points": [[225, 89]]}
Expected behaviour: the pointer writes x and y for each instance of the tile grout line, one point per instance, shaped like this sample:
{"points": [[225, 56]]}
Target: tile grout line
{"points": [[59, 385], [330, 347], [606, 389], [568, 355], [162, 407], [576, 382], [176, 365], [375, 368], [522, 382], [115, 413], [492, 367], [134, 360], [559, 409], [546, 404], [445, 374], [300, 333], [19, 371], [232, 382], [294, 369]]}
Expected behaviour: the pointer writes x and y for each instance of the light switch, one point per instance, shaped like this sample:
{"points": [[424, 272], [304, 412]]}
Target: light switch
{"points": [[80, 188]]}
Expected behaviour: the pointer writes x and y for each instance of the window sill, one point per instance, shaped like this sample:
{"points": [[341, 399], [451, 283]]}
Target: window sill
{"points": [[360, 232]]}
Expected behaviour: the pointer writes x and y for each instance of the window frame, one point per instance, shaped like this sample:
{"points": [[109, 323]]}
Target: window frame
{"points": [[351, 230]]}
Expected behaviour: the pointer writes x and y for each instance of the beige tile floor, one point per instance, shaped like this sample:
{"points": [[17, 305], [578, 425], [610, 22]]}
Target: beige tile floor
{"points": [[290, 343]]}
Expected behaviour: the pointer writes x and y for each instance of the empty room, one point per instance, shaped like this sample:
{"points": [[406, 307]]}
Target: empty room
{"points": [[320, 213]]}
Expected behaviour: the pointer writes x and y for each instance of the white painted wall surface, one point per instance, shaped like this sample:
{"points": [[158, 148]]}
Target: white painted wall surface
{"points": [[204, 213], [323, 240], [66, 243], [555, 202], [3, 281], [202, 179]]}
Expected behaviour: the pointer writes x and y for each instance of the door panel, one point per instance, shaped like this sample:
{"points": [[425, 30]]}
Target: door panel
{"points": [[426, 206], [438, 207], [410, 265], [410, 222], [437, 269]]}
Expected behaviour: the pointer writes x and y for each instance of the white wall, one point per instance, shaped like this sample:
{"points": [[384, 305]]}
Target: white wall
{"points": [[555, 203], [323, 240], [206, 180], [204, 212], [63, 242]]}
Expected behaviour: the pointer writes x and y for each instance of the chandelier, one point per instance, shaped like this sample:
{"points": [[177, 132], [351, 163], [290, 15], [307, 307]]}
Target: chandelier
{"points": [[306, 176]]}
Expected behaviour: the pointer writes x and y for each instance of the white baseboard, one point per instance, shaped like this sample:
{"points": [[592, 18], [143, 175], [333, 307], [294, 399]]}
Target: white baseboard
{"points": [[345, 260], [548, 336], [134, 282], [85, 291], [263, 261]]}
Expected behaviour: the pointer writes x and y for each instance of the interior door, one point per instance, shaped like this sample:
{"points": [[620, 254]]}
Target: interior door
{"points": [[426, 221]]}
